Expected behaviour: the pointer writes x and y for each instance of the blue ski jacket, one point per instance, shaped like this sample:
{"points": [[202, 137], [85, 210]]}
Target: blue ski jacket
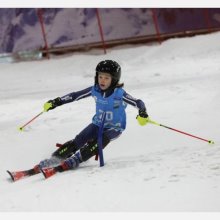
{"points": [[113, 103]]}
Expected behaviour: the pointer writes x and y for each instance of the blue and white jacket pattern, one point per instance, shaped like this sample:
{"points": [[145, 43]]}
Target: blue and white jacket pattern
{"points": [[112, 103]]}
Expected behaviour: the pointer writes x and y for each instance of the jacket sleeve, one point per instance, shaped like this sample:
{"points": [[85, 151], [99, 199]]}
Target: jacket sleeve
{"points": [[137, 103], [75, 96]]}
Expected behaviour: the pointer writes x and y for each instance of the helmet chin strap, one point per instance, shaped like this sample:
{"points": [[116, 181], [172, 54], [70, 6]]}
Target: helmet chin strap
{"points": [[114, 83]]}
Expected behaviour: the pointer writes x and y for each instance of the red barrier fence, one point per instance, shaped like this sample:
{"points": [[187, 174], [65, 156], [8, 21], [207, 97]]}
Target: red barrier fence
{"points": [[40, 16], [58, 31], [101, 30], [160, 19]]}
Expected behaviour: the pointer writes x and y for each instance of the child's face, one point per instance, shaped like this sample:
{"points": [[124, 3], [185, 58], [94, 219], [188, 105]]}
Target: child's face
{"points": [[104, 80]]}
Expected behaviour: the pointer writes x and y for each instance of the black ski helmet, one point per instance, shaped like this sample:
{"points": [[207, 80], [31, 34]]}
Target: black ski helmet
{"points": [[111, 67]]}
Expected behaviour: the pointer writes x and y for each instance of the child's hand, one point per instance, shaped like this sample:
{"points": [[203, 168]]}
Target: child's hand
{"points": [[142, 118], [51, 104], [47, 106]]}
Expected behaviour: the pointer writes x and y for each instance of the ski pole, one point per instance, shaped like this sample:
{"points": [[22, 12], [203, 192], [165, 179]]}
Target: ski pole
{"points": [[182, 132], [22, 127]]}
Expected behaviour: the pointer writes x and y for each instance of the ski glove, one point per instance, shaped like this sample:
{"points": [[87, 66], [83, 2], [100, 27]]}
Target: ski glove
{"points": [[142, 118], [51, 104]]}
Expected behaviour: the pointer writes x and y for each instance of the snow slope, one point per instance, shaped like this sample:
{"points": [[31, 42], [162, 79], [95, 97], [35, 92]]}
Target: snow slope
{"points": [[148, 168]]}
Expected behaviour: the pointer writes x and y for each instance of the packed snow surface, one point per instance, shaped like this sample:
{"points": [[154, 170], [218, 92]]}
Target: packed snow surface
{"points": [[149, 168]]}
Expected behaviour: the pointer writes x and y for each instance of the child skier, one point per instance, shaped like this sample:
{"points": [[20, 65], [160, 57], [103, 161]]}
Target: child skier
{"points": [[109, 98]]}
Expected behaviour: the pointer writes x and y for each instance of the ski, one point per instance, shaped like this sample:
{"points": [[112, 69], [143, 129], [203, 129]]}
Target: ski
{"points": [[18, 175], [50, 171]]}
